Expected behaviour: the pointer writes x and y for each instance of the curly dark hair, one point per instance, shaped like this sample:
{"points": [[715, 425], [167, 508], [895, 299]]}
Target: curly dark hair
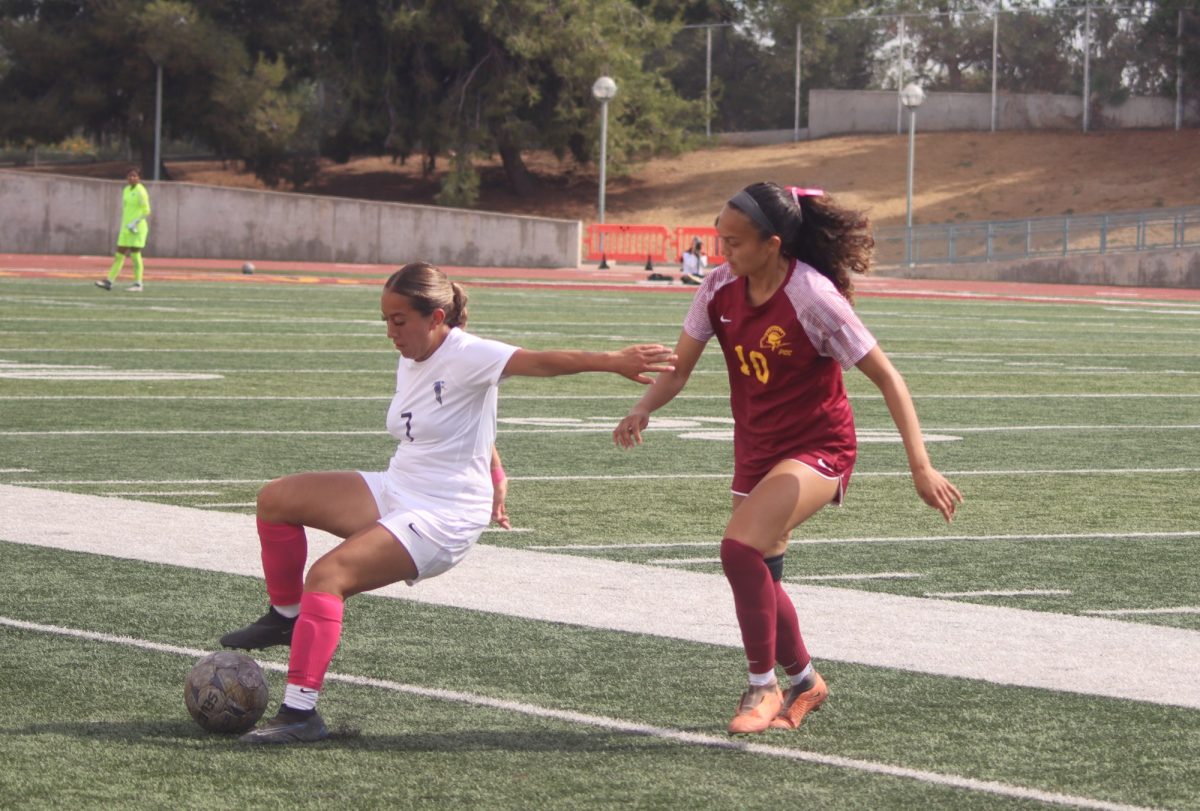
{"points": [[836, 241]]}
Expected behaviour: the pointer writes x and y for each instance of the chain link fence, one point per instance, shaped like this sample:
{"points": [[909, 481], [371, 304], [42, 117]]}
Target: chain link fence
{"points": [[1081, 66]]}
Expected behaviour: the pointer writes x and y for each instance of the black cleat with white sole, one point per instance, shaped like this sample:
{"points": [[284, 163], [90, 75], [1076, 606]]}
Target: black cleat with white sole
{"points": [[289, 726], [269, 630]]}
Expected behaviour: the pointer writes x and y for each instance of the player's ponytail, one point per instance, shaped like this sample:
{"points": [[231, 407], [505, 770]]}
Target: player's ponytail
{"points": [[813, 229], [428, 289], [457, 315]]}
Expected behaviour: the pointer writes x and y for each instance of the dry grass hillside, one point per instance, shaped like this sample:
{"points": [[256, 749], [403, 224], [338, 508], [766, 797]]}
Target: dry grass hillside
{"points": [[958, 177]]}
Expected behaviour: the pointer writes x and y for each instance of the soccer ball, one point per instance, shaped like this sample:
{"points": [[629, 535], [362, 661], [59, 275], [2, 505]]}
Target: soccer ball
{"points": [[248, 268], [226, 692]]}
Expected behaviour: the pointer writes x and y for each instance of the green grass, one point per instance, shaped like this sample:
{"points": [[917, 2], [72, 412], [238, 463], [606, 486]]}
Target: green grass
{"points": [[95, 724]]}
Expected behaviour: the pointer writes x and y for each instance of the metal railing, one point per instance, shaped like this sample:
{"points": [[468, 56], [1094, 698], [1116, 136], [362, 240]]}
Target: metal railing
{"points": [[1003, 240]]}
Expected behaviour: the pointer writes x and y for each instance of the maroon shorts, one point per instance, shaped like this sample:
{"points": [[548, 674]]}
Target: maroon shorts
{"points": [[832, 466]]}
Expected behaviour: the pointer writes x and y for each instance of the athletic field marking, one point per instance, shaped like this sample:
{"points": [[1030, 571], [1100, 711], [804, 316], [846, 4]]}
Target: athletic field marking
{"points": [[139, 493], [722, 372], [641, 476], [1080, 536], [551, 425], [553, 397], [863, 576], [1046, 650], [1119, 612], [810, 577], [608, 723], [16, 470], [229, 505], [950, 595]]}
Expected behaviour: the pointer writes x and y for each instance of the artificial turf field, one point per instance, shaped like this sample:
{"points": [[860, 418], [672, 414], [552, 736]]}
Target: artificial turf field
{"points": [[1071, 428]]}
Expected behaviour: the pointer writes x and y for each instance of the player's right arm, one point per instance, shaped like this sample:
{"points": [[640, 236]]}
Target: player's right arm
{"points": [[662, 391]]}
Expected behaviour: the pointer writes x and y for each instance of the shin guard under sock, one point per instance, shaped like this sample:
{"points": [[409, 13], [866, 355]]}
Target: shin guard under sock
{"points": [[753, 601], [314, 639], [284, 552], [790, 651]]}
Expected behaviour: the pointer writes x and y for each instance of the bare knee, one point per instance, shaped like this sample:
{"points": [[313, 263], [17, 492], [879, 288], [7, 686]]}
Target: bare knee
{"points": [[328, 577], [274, 502]]}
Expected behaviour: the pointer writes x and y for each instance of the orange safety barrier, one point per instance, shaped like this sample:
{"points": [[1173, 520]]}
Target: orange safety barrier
{"points": [[629, 243], [711, 243]]}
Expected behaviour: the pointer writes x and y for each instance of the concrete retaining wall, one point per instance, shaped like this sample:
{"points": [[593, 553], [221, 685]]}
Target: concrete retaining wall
{"points": [[42, 213], [836, 112], [1175, 268]]}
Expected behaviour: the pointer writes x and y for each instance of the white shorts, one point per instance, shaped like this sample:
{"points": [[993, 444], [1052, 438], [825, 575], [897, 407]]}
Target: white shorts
{"points": [[436, 539]]}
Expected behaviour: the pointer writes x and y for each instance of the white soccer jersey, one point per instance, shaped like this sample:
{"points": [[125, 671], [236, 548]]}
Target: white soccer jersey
{"points": [[444, 416]]}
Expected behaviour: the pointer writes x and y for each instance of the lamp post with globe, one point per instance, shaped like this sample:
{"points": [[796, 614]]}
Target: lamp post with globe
{"points": [[604, 89], [911, 97]]}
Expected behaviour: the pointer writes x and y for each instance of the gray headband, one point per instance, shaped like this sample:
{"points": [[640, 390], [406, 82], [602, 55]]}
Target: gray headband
{"points": [[746, 204]]}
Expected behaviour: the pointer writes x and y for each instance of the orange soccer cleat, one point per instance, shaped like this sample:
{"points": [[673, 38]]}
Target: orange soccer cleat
{"points": [[758, 706], [799, 704]]}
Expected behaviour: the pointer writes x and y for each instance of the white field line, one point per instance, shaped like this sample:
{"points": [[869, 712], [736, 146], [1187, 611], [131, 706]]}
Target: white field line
{"points": [[689, 476], [952, 595], [140, 493], [722, 372], [810, 577], [946, 638], [570, 429], [1120, 612], [624, 727], [229, 505], [554, 397], [1074, 536]]}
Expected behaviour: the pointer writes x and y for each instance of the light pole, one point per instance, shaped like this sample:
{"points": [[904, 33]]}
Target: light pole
{"points": [[157, 118], [604, 89], [158, 52], [911, 97]]}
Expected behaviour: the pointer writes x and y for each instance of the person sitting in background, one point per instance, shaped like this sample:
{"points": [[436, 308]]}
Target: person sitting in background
{"points": [[693, 264]]}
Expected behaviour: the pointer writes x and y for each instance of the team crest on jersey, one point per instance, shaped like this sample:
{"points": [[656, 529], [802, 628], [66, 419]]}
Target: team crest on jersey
{"points": [[438, 387], [775, 340]]}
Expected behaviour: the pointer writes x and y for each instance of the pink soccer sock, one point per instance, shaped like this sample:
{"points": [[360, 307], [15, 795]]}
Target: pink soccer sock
{"points": [[753, 601], [284, 552], [314, 639], [790, 651]]}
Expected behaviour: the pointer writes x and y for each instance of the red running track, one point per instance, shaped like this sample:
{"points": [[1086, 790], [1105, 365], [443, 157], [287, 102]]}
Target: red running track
{"points": [[615, 278]]}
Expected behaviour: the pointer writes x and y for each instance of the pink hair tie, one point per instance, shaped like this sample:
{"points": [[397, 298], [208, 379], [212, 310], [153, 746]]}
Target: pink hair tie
{"points": [[798, 192], [498, 475]]}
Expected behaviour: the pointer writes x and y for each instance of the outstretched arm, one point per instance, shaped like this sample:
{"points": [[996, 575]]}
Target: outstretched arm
{"points": [[687, 352], [633, 362], [934, 488]]}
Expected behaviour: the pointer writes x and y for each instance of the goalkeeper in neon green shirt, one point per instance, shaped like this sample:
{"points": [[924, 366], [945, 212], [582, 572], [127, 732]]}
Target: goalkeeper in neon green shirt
{"points": [[135, 209]]}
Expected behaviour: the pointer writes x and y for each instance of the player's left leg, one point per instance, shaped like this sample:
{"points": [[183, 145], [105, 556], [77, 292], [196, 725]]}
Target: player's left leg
{"points": [[367, 560], [136, 254], [758, 530]]}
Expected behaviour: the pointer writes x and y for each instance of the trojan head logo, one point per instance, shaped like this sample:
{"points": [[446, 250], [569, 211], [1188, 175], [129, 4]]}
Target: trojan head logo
{"points": [[774, 339], [438, 385]]}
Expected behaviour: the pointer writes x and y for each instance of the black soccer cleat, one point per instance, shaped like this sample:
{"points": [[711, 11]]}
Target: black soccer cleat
{"points": [[271, 629], [289, 726]]}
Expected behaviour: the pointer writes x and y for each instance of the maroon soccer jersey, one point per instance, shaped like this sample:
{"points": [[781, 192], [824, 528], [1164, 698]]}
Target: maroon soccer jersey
{"points": [[785, 359]]}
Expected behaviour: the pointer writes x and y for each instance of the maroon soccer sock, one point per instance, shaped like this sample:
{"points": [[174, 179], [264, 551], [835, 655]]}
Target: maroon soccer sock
{"points": [[789, 644], [314, 639], [753, 601], [284, 551]]}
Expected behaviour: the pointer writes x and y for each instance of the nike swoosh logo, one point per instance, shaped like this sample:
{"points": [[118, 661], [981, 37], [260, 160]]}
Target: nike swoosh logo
{"points": [[415, 532], [307, 690], [725, 320]]}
